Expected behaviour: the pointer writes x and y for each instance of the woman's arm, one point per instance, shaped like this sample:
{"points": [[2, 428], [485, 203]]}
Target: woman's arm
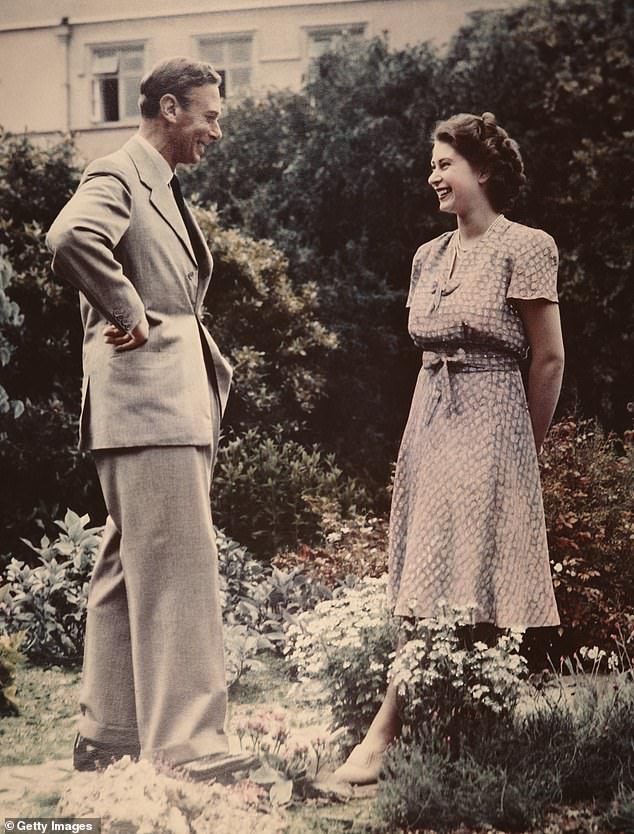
{"points": [[543, 330]]}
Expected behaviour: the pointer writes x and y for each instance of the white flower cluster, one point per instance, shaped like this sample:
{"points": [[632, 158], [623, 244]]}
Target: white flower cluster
{"points": [[337, 624], [597, 656], [345, 646], [441, 680], [131, 796], [342, 651]]}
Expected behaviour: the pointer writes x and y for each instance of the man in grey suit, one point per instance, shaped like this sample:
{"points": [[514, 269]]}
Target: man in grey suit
{"points": [[155, 386]]}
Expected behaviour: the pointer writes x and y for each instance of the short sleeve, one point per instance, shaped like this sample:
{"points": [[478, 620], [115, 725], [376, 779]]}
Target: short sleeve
{"points": [[417, 268], [535, 269]]}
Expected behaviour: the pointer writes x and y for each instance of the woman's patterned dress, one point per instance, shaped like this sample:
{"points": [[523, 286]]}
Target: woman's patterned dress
{"points": [[467, 523]]}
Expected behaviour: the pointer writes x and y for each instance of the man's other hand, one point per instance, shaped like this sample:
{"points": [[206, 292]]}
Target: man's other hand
{"points": [[127, 341]]}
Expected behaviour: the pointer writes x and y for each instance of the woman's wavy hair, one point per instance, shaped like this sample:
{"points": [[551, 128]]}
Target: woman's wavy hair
{"points": [[486, 145]]}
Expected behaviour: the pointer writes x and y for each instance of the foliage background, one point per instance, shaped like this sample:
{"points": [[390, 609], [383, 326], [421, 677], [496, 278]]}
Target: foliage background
{"points": [[314, 203]]}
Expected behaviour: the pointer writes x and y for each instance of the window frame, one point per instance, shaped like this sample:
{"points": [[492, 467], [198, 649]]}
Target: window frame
{"points": [[333, 30], [97, 109], [225, 68]]}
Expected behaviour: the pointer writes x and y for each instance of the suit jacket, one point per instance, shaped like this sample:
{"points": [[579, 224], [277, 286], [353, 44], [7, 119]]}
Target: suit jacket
{"points": [[122, 242]]}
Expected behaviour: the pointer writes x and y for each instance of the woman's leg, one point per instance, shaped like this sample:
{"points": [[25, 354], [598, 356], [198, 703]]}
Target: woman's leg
{"points": [[386, 724], [363, 765]]}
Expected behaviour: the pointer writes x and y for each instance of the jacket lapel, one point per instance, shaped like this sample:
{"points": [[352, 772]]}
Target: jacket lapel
{"points": [[161, 195]]}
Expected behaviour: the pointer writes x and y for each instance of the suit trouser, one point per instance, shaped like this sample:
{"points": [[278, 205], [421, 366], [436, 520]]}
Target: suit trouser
{"points": [[154, 664]]}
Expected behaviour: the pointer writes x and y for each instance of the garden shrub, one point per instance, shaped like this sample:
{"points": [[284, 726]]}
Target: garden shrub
{"points": [[342, 650], [351, 546], [38, 454], [10, 656], [451, 686], [570, 740], [269, 492], [588, 483], [598, 757], [269, 327], [47, 602], [424, 787], [10, 317]]}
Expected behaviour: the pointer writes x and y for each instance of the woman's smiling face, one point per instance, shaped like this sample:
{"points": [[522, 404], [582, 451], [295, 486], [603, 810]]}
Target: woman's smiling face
{"points": [[457, 183]]}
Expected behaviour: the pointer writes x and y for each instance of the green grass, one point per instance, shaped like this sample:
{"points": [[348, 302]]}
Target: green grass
{"points": [[268, 682], [45, 728]]}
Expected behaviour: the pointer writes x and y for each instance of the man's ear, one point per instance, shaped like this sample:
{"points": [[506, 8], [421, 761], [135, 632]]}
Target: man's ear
{"points": [[168, 105]]}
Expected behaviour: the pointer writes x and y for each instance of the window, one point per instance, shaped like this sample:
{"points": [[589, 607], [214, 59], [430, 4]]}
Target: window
{"points": [[322, 40], [116, 75], [230, 56]]}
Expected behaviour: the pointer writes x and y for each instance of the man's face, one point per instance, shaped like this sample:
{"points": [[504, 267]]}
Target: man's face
{"points": [[196, 124]]}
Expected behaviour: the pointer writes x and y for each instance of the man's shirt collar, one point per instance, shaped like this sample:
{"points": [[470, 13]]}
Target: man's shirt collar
{"points": [[163, 165]]}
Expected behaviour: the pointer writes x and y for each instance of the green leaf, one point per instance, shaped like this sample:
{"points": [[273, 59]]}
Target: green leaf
{"points": [[281, 792]]}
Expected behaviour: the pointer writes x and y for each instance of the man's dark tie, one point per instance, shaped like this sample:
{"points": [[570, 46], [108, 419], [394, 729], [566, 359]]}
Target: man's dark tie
{"points": [[180, 202]]}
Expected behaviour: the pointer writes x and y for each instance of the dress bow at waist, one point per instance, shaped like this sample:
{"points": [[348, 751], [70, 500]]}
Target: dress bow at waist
{"points": [[441, 365]]}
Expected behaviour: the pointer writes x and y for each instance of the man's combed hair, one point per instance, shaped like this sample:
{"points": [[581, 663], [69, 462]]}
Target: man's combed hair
{"points": [[176, 76], [486, 145]]}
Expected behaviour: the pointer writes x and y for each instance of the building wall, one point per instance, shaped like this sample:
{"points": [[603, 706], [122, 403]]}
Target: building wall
{"points": [[47, 47]]}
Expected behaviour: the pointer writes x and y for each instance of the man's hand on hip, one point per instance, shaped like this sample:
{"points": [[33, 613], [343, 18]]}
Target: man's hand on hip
{"points": [[127, 341]]}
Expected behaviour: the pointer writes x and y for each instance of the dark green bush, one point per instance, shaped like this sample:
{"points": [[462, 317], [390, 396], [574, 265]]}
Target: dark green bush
{"points": [[573, 742], [46, 604], [270, 328], [38, 451], [620, 817], [588, 483], [270, 492], [424, 787], [10, 317]]}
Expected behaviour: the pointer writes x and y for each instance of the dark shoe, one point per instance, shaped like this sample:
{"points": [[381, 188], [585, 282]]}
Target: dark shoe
{"points": [[217, 765], [97, 755]]}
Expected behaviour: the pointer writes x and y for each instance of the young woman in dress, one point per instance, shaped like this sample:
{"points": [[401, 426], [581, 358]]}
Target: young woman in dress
{"points": [[467, 522]]}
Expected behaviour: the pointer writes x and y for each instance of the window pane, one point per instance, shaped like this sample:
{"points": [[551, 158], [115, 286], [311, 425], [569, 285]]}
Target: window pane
{"points": [[109, 88], [318, 44], [223, 82], [321, 41], [239, 51], [231, 58], [240, 78], [130, 102], [132, 61], [106, 62], [213, 51]]}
